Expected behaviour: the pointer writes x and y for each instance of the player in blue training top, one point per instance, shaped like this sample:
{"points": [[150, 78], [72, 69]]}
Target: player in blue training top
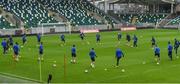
{"points": [[153, 41], [73, 53], [176, 46], [98, 37], [62, 38], [92, 55], [170, 48], [11, 42], [135, 41], [4, 45], [157, 53], [119, 55], [16, 52], [128, 38], [38, 37], [24, 38], [82, 35], [119, 36], [41, 51]]}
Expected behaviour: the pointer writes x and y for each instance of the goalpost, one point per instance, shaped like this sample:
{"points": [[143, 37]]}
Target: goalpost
{"points": [[44, 28]]}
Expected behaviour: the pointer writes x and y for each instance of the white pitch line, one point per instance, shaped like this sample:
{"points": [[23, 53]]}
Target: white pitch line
{"points": [[19, 77]]}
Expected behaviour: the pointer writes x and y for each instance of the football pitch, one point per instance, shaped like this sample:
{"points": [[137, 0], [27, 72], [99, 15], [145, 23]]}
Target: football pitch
{"points": [[138, 64]]}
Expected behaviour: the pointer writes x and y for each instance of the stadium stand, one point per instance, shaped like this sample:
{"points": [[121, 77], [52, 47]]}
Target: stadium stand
{"points": [[175, 21], [72, 9], [93, 8], [29, 11], [142, 18], [5, 24]]}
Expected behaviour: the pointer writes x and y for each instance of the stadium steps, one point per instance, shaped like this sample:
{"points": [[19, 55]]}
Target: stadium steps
{"points": [[53, 14], [112, 14], [9, 17], [175, 21], [166, 20], [96, 16], [108, 17]]}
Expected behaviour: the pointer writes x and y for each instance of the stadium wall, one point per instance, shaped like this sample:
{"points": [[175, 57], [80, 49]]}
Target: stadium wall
{"points": [[75, 29]]}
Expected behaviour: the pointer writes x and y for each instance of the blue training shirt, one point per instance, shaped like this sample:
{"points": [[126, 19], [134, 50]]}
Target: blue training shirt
{"points": [[157, 50], [38, 36], [4, 44], [153, 40], [10, 39], [41, 48], [92, 54], [119, 53], [170, 48], [24, 37], [135, 38], [16, 48], [73, 50], [98, 36], [62, 36]]}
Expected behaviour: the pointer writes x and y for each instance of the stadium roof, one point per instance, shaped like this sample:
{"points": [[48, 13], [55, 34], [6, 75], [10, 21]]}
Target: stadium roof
{"points": [[142, 1], [139, 1]]}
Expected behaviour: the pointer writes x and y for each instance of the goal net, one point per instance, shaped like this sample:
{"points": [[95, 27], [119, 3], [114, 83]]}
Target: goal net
{"points": [[45, 28]]}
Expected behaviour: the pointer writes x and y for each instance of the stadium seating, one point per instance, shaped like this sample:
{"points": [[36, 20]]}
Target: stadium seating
{"points": [[29, 11], [90, 7], [72, 9], [175, 21], [5, 24], [142, 18]]}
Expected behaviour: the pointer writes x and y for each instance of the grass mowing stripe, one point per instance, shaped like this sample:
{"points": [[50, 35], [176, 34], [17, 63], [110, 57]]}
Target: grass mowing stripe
{"points": [[19, 77]]}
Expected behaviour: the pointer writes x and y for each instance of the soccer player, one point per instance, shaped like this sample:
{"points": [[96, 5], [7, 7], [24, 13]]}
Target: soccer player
{"points": [[16, 52], [62, 38], [119, 36], [98, 37], [176, 46], [170, 48], [49, 78], [128, 38], [135, 41], [92, 55], [39, 38], [41, 49], [7, 45], [153, 42], [73, 52], [157, 53], [4, 45], [11, 42], [24, 38], [82, 36], [119, 55]]}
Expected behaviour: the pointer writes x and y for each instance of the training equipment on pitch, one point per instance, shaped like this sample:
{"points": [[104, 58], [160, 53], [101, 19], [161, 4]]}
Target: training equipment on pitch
{"points": [[123, 70], [54, 65], [86, 71], [105, 69]]}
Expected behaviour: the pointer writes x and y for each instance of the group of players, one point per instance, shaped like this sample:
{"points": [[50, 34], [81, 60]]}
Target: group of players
{"points": [[9, 45]]}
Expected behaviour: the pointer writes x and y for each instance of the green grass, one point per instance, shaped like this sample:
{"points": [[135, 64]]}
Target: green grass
{"points": [[135, 71]]}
